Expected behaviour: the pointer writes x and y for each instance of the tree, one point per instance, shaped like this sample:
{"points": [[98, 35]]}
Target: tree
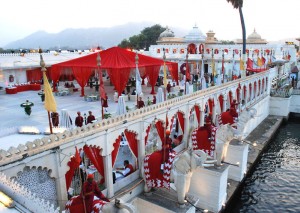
{"points": [[238, 4], [147, 37]]}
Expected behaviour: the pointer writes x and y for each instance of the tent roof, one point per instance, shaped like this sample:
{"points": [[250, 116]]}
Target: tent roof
{"points": [[114, 57]]}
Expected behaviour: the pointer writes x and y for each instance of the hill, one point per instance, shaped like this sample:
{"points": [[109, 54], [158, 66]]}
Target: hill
{"points": [[83, 38]]}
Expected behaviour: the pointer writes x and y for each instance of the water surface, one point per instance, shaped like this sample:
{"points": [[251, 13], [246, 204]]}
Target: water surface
{"points": [[274, 185]]}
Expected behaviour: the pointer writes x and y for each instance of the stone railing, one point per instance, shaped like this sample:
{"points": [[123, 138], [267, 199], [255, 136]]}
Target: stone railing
{"points": [[52, 141], [296, 92], [281, 92], [24, 197]]}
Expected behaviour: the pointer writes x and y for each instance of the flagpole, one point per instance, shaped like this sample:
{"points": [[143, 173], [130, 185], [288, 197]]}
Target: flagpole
{"points": [[136, 70], [47, 92], [186, 70], [101, 83], [165, 75]]}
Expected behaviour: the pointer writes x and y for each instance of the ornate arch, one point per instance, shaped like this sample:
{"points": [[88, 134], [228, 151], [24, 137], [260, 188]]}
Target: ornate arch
{"points": [[192, 49], [38, 181]]}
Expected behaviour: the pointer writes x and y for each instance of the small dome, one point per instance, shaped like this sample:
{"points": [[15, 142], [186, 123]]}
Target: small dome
{"points": [[195, 35], [167, 33], [254, 35]]}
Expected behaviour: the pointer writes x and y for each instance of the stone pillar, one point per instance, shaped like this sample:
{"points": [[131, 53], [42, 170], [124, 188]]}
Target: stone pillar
{"points": [[186, 126], [141, 144], [237, 154], [214, 112], [108, 175], [202, 115], [60, 181], [224, 103], [210, 185]]}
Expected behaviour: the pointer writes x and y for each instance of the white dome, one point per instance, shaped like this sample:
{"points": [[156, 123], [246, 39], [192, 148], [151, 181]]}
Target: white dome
{"points": [[167, 33], [195, 35], [254, 35]]}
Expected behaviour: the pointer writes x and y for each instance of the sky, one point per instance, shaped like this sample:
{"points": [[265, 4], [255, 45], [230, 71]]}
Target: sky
{"points": [[272, 19]]}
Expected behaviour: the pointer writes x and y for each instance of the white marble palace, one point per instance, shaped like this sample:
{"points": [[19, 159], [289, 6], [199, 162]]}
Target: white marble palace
{"points": [[41, 175], [195, 47]]}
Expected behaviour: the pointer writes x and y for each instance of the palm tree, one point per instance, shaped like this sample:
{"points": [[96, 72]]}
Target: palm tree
{"points": [[238, 4]]}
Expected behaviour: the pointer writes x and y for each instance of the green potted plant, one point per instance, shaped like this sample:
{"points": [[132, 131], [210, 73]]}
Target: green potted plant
{"points": [[27, 107], [127, 109], [107, 115]]}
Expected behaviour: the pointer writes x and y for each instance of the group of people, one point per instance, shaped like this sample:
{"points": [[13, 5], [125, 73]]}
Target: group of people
{"points": [[79, 120]]}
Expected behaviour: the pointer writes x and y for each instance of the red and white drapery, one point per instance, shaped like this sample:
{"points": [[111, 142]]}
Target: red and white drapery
{"points": [[73, 164], [132, 141], [211, 105], [93, 153], [160, 130], [197, 111], [115, 152]]}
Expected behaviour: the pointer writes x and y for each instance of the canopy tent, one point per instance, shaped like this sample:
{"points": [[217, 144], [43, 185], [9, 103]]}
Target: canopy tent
{"points": [[118, 62]]}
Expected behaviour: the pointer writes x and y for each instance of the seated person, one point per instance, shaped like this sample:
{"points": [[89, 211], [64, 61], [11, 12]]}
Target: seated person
{"points": [[133, 92], [127, 170]]}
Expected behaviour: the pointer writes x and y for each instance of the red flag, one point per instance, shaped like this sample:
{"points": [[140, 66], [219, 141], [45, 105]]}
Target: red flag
{"points": [[263, 60], [249, 64], [187, 72], [77, 157]]}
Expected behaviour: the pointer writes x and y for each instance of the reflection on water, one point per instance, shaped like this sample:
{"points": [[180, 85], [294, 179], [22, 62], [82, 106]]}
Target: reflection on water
{"points": [[275, 183]]}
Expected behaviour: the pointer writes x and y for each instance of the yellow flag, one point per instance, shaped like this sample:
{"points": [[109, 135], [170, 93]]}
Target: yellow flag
{"points": [[165, 75], [213, 68], [50, 104], [259, 62], [242, 64]]}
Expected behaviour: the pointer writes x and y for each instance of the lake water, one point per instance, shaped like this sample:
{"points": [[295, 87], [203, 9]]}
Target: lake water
{"points": [[274, 185]]}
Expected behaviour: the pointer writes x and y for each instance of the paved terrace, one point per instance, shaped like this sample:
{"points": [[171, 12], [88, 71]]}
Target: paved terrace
{"points": [[13, 115]]}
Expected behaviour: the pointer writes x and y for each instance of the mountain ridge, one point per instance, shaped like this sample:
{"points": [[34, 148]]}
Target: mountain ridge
{"points": [[83, 38]]}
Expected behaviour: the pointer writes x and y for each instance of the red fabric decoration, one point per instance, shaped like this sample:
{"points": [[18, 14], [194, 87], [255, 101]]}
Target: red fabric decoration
{"points": [[200, 139], [173, 69], [247, 51], [230, 96], [114, 153], [73, 164], [236, 51], [221, 101], [216, 51], [197, 111], [211, 105], [75, 205], [201, 49], [117, 62], [132, 141], [160, 130], [93, 153], [227, 118], [35, 74], [147, 134], [181, 120], [152, 74], [82, 76], [226, 50], [153, 174], [187, 72], [207, 51]]}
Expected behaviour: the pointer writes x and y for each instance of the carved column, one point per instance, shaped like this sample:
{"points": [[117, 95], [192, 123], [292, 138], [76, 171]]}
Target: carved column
{"points": [[141, 143], [108, 175]]}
